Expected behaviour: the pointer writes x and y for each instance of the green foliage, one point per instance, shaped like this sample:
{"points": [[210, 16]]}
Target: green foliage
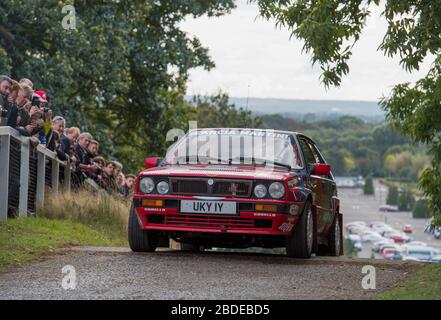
{"points": [[406, 200], [216, 111], [368, 188], [392, 196], [349, 248], [116, 74], [330, 29], [421, 210]]}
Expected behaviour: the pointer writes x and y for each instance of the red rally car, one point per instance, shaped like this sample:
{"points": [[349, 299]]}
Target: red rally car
{"points": [[238, 188]]}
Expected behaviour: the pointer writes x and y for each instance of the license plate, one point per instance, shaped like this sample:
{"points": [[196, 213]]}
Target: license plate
{"points": [[211, 207]]}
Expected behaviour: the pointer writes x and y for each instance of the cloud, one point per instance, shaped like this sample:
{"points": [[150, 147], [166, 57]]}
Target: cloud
{"points": [[250, 52]]}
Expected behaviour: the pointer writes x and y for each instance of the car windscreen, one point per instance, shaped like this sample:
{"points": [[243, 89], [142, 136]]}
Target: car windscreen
{"points": [[228, 146]]}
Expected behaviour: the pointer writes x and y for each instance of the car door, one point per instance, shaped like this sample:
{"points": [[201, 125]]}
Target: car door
{"points": [[323, 187]]}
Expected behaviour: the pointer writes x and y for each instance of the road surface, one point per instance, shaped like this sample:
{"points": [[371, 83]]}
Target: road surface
{"points": [[117, 273], [120, 274]]}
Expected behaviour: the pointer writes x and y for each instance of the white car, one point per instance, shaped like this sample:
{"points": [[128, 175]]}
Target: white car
{"points": [[415, 243], [420, 253], [358, 245], [354, 237], [371, 237], [377, 245]]}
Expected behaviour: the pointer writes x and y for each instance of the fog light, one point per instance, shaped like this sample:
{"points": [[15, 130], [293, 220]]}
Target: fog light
{"points": [[266, 207], [152, 203], [294, 210]]}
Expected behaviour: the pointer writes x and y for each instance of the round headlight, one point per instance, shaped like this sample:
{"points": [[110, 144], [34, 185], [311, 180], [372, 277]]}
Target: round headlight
{"points": [[260, 191], [276, 190], [162, 187], [146, 185]]}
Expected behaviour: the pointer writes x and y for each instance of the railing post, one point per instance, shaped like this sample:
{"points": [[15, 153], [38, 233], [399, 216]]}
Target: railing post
{"points": [[67, 177], [4, 175], [55, 175], [41, 171], [24, 178]]}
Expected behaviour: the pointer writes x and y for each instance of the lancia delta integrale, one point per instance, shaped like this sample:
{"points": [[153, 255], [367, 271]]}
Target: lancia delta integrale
{"points": [[238, 188]]}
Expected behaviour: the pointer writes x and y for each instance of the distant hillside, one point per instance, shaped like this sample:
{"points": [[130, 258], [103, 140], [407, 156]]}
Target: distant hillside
{"points": [[312, 109]]}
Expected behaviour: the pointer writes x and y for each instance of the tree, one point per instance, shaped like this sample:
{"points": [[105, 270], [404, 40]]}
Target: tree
{"points": [[216, 111], [330, 29], [392, 196], [406, 200], [117, 72], [368, 188]]}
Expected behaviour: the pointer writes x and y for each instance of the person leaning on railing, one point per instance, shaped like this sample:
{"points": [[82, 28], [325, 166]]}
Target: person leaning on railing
{"points": [[5, 85]]}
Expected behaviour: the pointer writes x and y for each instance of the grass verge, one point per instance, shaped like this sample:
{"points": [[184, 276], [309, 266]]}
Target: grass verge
{"points": [[425, 284], [81, 218]]}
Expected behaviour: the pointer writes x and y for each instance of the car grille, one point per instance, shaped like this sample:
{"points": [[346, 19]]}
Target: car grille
{"points": [[206, 221], [232, 188]]}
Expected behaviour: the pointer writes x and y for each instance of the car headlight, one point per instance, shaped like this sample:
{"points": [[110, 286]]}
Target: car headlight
{"points": [[260, 191], [162, 187], [276, 190], [146, 185]]}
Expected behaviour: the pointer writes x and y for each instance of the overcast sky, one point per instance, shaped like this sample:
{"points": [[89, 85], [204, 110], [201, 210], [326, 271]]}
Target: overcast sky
{"points": [[250, 51]]}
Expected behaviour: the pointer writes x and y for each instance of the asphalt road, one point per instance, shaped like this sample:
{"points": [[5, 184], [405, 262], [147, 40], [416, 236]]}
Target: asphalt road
{"points": [[117, 273], [120, 274]]}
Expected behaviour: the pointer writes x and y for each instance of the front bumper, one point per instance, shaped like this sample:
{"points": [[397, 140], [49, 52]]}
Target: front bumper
{"points": [[246, 221]]}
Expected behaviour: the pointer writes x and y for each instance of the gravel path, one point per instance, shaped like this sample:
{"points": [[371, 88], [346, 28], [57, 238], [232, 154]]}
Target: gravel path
{"points": [[116, 273]]}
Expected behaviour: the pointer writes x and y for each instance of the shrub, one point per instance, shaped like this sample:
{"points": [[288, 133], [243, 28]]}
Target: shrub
{"points": [[421, 209], [368, 186], [392, 196]]}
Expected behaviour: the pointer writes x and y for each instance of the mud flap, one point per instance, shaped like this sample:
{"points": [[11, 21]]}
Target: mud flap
{"points": [[340, 221], [314, 227]]}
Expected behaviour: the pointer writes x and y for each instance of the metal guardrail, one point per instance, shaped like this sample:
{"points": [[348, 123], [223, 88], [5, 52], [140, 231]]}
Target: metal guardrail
{"points": [[26, 173]]}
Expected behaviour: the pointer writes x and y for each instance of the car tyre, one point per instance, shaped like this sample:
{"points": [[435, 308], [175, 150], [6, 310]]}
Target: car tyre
{"points": [[140, 240], [299, 244], [334, 238]]}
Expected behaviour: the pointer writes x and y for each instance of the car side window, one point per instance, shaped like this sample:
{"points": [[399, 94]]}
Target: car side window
{"points": [[307, 152], [318, 158]]}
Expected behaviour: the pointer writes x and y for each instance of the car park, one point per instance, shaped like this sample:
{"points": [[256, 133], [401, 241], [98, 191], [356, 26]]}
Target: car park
{"points": [[238, 196]]}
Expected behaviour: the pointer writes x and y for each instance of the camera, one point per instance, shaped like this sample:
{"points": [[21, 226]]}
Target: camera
{"points": [[36, 101]]}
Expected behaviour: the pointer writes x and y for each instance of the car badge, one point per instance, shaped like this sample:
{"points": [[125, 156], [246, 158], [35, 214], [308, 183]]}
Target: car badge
{"points": [[210, 182]]}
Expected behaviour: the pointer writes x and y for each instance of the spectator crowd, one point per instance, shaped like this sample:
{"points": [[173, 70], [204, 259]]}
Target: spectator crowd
{"points": [[28, 111]]}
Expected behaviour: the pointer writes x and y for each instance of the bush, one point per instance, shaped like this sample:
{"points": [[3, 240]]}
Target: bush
{"points": [[392, 196], [349, 248], [421, 210], [368, 186]]}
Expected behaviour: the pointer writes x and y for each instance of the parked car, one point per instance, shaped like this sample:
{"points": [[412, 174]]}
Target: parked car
{"points": [[415, 244], [437, 233], [407, 228], [358, 245], [371, 237], [377, 245], [418, 253], [388, 246], [238, 188], [436, 259], [392, 254], [354, 237], [388, 208], [397, 237]]}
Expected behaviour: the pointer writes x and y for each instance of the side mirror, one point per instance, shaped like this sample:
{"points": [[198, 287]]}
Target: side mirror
{"points": [[152, 162], [321, 169]]}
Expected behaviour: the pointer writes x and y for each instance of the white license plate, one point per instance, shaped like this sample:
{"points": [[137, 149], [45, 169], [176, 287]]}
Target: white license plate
{"points": [[212, 207]]}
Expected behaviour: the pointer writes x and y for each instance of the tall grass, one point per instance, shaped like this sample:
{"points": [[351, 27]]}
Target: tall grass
{"points": [[95, 209]]}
